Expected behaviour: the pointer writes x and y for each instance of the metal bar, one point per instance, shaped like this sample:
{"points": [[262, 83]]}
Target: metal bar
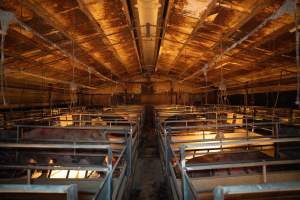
{"points": [[119, 141], [115, 128], [37, 167], [28, 176], [242, 142], [174, 141], [264, 170], [219, 126], [110, 173], [70, 190], [206, 166], [201, 120], [89, 121], [193, 192], [221, 191], [174, 181], [119, 182], [53, 146], [185, 191], [166, 150], [129, 153]]}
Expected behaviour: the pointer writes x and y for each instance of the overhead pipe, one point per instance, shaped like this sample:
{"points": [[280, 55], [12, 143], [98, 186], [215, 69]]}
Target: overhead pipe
{"points": [[166, 14], [132, 28], [148, 19]]}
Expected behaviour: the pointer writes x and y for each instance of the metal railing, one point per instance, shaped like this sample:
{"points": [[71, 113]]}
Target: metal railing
{"points": [[173, 151], [118, 171]]}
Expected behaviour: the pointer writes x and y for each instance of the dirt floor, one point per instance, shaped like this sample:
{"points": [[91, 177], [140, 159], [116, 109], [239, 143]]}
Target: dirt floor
{"points": [[149, 183]]}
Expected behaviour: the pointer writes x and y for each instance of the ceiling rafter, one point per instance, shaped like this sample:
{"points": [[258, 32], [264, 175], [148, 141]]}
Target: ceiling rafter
{"points": [[79, 65], [99, 29], [228, 33], [62, 29], [285, 8], [195, 29], [39, 64], [10, 72]]}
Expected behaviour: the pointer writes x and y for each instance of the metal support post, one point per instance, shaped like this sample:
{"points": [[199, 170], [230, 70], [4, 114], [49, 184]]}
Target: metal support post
{"points": [[109, 180], [29, 176], [276, 134], [185, 189], [264, 170], [129, 152], [167, 132]]}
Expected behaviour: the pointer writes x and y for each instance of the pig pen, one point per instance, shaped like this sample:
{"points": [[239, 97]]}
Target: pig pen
{"points": [[95, 151], [202, 150]]}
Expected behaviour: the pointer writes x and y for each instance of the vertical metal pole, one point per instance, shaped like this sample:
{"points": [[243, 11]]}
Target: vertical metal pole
{"points": [[297, 55], [167, 148], [185, 190], [217, 130], [18, 134], [80, 123], [28, 176], [264, 173], [246, 117], [138, 131], [109, 180], [72, 193], [276, 132], [128, 152], [17, 141]]}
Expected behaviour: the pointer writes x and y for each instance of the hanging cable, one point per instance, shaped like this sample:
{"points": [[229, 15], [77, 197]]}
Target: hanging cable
{"points": [[5, 19], [204, 69], [73, 86], [2, 68], [90, 78], [222, 95], [297, 55], [278, 91]]}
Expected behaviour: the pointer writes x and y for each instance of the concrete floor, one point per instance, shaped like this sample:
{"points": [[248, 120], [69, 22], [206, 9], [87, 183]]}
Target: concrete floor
{"points": [[149, 183]]}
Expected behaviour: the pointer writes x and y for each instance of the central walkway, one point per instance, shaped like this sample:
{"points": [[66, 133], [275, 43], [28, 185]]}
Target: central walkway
{"points": [[148, 182]]}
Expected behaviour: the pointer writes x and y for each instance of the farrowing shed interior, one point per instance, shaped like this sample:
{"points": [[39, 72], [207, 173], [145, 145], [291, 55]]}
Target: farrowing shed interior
{"points": [[149, 99]]}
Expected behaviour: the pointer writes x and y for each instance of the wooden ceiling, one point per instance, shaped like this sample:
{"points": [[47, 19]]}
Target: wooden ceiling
{"points": [[246, 44]]}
